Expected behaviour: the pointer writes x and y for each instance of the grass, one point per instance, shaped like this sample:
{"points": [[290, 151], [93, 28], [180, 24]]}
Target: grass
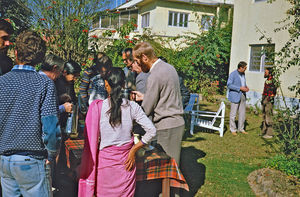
{"points": [[215, 166]]}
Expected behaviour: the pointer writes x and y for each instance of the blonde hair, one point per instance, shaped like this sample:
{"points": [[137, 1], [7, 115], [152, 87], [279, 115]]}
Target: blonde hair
{"points": [[144, 48]]}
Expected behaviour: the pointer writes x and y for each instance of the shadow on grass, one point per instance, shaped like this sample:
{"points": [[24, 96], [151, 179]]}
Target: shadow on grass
{"points": [[193, 171]]}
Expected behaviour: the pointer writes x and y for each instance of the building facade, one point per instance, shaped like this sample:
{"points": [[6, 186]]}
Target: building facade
{"points": [[166, 18], [253, 19]]}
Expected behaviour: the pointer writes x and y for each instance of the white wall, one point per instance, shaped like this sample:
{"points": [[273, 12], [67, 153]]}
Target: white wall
{"points": [[247, 16]]}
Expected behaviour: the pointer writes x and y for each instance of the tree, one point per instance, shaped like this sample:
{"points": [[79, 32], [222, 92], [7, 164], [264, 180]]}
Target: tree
{"points": [[65, 24], [18, 12]]}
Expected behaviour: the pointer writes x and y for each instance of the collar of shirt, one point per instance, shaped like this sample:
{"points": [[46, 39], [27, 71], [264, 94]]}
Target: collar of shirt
{"points": [[42, 73], [158, 60], [24, 67]]}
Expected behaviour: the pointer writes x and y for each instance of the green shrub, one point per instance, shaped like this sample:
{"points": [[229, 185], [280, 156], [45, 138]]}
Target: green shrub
{"points": [[287, 132], [290, 166]]}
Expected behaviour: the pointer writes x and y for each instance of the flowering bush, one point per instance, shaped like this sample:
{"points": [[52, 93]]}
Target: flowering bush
{"points": [[65, 26]]}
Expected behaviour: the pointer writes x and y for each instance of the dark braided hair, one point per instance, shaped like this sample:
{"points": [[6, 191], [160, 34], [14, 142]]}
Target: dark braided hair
{"points": [[116, 80]]}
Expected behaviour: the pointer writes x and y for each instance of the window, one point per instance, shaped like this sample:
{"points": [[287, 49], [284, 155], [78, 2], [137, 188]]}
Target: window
{"points": [[115, 21], [145, 20], [178, 19], [206, 22], [259, 0], [260, 56]]}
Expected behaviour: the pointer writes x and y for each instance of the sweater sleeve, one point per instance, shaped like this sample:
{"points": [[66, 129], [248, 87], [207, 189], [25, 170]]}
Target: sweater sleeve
{"points": [[140, 117], [49, 119], [151, 97], [84, 85]]}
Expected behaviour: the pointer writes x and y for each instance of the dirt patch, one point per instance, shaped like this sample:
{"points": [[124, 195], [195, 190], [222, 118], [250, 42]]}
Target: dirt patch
{"points": [[268, 182]]}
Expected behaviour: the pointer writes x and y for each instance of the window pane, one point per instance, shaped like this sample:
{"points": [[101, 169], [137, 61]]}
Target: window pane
{"points": [[145, 20], [124, 15], [123, 21], [96, 23], [181, 20], [105, 21], [170, 18], [175, 19], [255, 58], [134, 14], [114, 22], [186, 18]]}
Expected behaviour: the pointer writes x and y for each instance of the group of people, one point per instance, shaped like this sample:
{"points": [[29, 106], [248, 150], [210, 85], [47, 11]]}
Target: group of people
{"points": [[146, 96], [237, 89], [34, 107]]}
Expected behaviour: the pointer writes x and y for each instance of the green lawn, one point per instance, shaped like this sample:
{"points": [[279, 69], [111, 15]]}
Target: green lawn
{"points": [[215, 166]]}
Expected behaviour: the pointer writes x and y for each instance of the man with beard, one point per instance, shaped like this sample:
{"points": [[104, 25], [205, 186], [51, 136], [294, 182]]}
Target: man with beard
{"points": [[6, 30], [267, 103], [162, 99]]}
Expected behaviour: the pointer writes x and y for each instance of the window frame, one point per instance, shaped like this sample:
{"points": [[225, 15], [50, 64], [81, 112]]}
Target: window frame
{"points": [[185, 19], [148, 19]]}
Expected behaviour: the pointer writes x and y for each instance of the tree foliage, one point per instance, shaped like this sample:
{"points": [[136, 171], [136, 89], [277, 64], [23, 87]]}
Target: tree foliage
{"points": [[65, 24], [18, 13]]}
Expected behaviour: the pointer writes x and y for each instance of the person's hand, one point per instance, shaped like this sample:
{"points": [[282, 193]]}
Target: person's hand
{"points": [[132, 96], [244, 88], [47, 162], [68, 107], [138, 95], [130, 162]]}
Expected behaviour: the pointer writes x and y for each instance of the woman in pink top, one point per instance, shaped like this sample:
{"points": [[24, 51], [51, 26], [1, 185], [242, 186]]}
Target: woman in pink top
{"points": [[108, 161]]}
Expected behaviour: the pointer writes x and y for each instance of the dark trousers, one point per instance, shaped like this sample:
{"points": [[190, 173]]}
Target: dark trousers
{"points": [[267, 108]]}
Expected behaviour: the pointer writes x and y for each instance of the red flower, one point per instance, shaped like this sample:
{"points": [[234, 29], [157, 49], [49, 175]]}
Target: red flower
{"points": [[54, 2], [59, 45], [135, 38], [193, 63], [42, 19], [196, 42], [11, 43], [94, 36], [107, 9], [83, 64], [129, 41], [75, 20], [135, 25], [202, 48], [91, 58], [218, 55], [126, 37], [113, 31], [117, 12], [85, 30], [8, 20], [49, 7]]}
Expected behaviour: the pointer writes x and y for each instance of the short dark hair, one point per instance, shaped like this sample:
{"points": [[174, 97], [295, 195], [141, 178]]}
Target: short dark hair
{"points": [[242, 64], [52, 60], [72, 67], [103, 61], [6, 26], [30, 47], [271, 70], [128, 52]]}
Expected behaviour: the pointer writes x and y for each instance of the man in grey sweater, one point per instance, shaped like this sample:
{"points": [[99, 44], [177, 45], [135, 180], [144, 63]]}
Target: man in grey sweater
{"points": [[162, 99]]}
